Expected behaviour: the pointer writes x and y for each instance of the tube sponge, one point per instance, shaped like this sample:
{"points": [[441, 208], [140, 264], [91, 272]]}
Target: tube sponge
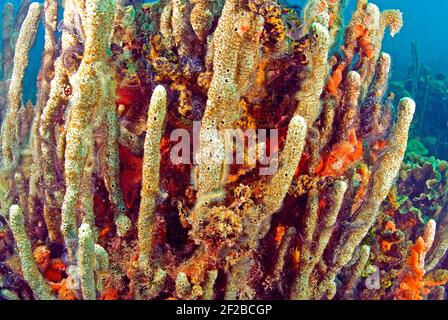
{"points": [[201, 18], [355, 272], [46, 74], [235, 47], [150, 175], [24, 43], [87, 92], [7, 46], [308, 97], [289, 159], [86, 262], [392, 19], [55, 103], [379, 86], [382, 179], [440, 247], [316, 236], [230, 62], [30, 271]]}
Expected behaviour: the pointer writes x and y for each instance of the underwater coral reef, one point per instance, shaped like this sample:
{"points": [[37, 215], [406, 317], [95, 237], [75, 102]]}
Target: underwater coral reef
{"points": [[117, 184]]}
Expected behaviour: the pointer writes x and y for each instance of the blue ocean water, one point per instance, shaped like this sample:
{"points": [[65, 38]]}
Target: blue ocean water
{"points": [[425, 25]]}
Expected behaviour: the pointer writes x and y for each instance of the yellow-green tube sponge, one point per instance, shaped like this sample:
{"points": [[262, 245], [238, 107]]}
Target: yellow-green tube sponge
{"points": [[25, 41], [30, 271], [308, 96], [380, 184], [150, 175], [86, 262], [289, 159], [88, 86]]}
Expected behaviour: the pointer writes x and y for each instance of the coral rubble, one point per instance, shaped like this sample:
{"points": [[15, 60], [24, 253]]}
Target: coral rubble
{"points": [[117, 184]]}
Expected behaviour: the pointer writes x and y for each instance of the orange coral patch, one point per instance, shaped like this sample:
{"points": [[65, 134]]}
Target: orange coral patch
{"points": [[55, 287], [342, 156], [296, 257], [412, 286], [279, 233], [55, 272], [376, 148], [364, 173], [321, 6], [331, 21], [104, 232], [360, 30], [367, 46], [245, 28], [390, 226], [110, 294], [386, 245], [42, 257], [335, 80], [65, 293]]}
